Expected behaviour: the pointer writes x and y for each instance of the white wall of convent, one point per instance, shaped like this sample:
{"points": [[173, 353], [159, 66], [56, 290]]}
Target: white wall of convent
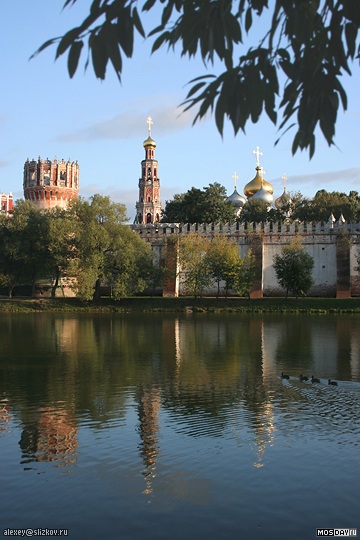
{"points": [[319, 240]]}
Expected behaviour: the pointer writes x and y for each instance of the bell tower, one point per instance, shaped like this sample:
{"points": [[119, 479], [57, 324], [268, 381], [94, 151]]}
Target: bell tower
{"points": [[148, 207]]}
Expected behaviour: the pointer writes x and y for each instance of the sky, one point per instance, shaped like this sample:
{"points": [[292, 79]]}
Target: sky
{"points": [[102, 124]]}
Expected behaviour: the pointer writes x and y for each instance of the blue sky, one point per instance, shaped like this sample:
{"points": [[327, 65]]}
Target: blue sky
{"points": [[102, 125]]}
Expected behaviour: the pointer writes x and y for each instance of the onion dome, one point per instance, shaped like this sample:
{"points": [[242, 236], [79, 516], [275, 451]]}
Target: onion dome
{"points": [[263, 195], [256, 184], [149, 142], [283, 201], [237, 199]]}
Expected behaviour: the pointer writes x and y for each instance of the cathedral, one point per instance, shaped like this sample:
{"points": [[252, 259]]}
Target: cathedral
{"points": [[334, 246]]}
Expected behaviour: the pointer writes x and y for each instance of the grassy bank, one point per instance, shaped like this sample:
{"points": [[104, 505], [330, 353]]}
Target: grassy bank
{"points": [[146, 304]]}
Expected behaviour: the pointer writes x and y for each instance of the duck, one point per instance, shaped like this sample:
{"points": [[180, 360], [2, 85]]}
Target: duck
{"points": [[314, 379], [284, 376], [303, 378], [333, 383]]}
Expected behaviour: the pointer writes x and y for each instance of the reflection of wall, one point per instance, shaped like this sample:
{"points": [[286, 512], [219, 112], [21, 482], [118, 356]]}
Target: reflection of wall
{"points": [[5, 416], [50, 436]]}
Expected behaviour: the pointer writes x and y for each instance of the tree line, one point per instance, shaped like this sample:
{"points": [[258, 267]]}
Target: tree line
{"points": [[89, 245], [210, 205]]}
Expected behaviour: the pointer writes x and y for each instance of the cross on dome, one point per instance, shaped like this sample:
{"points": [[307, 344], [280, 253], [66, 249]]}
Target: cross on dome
{"points": [[149, 123], [284, 177], [257, 153], [235, 177]]}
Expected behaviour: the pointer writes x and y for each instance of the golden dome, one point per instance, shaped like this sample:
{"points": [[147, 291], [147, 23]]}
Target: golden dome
{"points": [[149, 142], [255, 185]]}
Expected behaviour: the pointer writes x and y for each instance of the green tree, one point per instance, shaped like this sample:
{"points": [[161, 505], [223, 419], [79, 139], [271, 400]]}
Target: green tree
{"points": [[11, 265], [240, 274], [309, 44], [108, 251], [225, 264], [325, 203], [193, 263], [293, 269], [254, 211], [24, 258], [200, 206], [62, 226]]}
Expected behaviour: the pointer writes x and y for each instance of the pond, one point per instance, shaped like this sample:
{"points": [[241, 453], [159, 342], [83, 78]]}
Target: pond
{"points": [[173, 426]]}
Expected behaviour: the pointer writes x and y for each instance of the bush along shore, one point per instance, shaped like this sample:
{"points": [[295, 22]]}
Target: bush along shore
{"points": [[184, 304]]}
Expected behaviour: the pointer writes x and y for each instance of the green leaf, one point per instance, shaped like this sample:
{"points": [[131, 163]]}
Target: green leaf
{"points": [[113, 49], [44, 46], [73, 57], [99, 55], [159, 41], [137, 22], [248, 19], [125, 31], [66, 41], [351, 32], [194, 89], [148, 5]]}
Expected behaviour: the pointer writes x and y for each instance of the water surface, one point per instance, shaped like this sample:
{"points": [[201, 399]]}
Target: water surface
{"points": [[179, 426]]}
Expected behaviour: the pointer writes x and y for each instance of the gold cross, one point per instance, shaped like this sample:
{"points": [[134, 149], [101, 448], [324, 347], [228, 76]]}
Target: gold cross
{"points": [[257, 153], [149, 123], [284, 177], [235, 177]]}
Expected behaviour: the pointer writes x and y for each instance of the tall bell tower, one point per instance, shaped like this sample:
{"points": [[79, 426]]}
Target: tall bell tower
{"points": [[148, 207]]}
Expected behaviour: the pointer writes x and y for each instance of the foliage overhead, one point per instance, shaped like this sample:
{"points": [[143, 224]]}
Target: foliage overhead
{"points": [[294, 64]]}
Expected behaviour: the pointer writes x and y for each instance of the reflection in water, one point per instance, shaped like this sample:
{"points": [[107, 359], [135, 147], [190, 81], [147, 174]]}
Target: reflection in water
{"points": [[50, 434], [190, 404], [148, 410], [5, 416]]}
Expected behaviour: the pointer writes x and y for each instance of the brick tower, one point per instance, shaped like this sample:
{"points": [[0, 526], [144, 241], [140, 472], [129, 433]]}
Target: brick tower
{"points": [[148, 207], [48, 184]]}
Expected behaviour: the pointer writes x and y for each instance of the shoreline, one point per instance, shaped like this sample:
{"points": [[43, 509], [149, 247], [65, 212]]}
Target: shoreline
{"points": [[183, 304]]}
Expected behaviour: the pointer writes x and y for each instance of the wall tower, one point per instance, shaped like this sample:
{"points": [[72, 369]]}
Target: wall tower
{"points": [[148, 207], [48, 184]]}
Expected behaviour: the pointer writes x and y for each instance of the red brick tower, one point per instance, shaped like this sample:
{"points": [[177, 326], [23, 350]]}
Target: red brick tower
{"points": [[48, 184], [148, 207]]}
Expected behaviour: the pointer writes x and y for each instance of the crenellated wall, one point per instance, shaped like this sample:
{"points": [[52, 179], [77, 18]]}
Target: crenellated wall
{"points": [[334, 248]]}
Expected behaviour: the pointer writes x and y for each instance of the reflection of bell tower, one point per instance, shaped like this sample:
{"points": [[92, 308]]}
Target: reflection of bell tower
{"points": [[148, 207], [149, 405]]}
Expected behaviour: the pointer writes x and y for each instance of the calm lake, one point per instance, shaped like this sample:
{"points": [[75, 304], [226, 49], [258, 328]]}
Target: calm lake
{"points": [[179, 426]]}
